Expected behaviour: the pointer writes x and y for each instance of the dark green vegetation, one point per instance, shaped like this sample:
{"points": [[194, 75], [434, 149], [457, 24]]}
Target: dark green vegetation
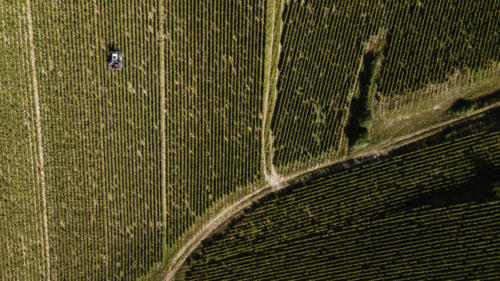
{"points": [[324, 43], [429, 208], [469, 105], [357, 129]]}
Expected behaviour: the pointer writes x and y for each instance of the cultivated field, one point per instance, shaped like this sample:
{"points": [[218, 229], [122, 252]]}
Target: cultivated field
{"points": [[336, 52], [101, 137], [103, 184], [430, 207], [22, 229], [118, 175], [214, 73]]}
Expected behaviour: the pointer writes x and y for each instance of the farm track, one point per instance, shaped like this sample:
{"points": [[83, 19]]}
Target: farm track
{"points": [[270, 179], [270, 174], [231, 211], [39, 134]]}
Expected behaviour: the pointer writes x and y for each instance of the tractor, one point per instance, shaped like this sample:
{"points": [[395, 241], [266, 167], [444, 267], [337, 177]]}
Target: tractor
{"points": [[116, 61]]}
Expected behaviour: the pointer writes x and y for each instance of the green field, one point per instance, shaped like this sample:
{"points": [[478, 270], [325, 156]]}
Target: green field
{"points": [[101, 136], [214, 73], [119, 175], [421, 43], [430, 207], [111, 212]]}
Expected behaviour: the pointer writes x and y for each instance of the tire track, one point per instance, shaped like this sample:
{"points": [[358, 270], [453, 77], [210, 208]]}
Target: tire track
{"points": [[39, 135], [162, 117], [272, 30]]}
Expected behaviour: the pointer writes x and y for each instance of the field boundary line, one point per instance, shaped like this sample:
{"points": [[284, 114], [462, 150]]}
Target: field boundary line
{"points": [[228, 213], [39, 134], [272, 52], [163, 132]]}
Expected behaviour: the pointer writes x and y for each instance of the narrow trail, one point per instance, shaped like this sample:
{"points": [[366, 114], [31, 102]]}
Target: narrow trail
{"points": [[267, 76], [39, 135], [270, 175], [162, 116]]}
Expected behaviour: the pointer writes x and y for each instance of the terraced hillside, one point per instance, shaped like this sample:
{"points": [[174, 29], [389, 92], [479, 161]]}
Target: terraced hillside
{"points": [[429, 208]]}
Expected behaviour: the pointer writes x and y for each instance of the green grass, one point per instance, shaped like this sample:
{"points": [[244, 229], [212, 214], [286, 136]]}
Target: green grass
{"points": [[435, 107]]}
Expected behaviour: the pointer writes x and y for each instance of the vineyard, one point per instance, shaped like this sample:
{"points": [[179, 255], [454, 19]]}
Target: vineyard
{"points": [[110, 213], [118, 175], [101, 137], [423, 43], [214, 90], [430, 207]]}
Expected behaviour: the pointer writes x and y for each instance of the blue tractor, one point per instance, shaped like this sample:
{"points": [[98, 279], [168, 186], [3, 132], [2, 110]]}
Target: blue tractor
{"points": [[116, 61]]}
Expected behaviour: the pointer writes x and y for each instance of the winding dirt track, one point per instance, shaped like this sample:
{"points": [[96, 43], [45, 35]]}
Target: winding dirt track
{"points": [[39, 135], [229, 212]]}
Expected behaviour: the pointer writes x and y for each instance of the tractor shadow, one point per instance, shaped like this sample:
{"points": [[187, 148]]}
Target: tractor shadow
{"points": [[110, 49]]}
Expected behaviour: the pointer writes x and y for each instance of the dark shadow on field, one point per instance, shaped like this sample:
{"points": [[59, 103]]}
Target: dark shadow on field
{"points": [[110, 48], [360, 113], [482, 188], [464, 105]]}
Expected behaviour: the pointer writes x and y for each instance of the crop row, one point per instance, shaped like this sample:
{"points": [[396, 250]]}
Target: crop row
{"points": [[455, 242], [324, 43], [370, 196], [404, 216]]}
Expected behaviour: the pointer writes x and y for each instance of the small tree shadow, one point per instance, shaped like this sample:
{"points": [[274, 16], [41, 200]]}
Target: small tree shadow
{"points": [[463, 105]]}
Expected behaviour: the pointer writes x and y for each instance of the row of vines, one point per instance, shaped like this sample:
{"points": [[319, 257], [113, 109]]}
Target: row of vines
{"points": [[214, 72], [109, 217]]}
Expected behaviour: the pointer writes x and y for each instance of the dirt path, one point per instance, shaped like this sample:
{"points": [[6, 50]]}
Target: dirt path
{"points": [[39, 135], [162, 116], [270, 175], [269, 54], [212, 225]]}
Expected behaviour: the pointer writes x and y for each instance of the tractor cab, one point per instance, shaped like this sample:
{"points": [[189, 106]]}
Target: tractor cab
{"points": [[116, 61]]}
